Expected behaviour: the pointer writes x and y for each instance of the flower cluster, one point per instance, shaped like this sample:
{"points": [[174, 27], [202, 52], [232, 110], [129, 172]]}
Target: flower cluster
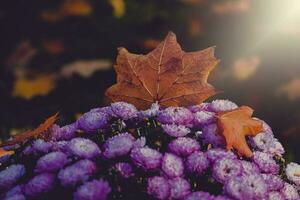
{"points": [[119, 152]]}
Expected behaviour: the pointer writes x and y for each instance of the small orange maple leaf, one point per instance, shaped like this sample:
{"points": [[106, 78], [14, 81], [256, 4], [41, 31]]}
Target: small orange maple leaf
{"points": [[166, 75], [235, 125], [42, 128]]}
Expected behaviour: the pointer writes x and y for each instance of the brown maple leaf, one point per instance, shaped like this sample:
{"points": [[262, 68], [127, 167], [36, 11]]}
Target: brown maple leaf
{"points": [[235, 125], [166, 75], [42, 128]]}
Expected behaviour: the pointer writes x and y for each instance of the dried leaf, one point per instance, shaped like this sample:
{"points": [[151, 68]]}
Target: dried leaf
{"points": [[85, 68], [40, 84], [118, 7], [4, 152], [230, 6], [167, 75], [235, 125], [42, 128]]}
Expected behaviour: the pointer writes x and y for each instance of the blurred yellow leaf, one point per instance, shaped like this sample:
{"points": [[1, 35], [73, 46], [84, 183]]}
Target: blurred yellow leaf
{"points": [[118, 7], [85, 68], [291, 89], [68, 8], [28, 88], [245, 68]]}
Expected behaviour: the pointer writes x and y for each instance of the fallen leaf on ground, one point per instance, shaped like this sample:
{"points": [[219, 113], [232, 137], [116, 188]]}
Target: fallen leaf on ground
{"points": [[42, 128], [235, 125], [166, 75]]}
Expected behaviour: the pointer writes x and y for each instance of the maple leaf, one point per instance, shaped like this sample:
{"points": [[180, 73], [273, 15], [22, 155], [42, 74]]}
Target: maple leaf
{"points": [[235, 125], [42, 128], [167, 75]]}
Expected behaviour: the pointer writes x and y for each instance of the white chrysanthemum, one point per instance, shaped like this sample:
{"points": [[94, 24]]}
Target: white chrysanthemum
{"points": [[293, 172], [221, 105]]}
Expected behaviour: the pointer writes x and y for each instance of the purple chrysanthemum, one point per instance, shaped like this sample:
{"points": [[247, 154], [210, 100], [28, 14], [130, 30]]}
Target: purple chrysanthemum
{"points": [[172, 165], [16, 197], [274, 195], [197, 162], [51, 162], [60, 146], [176, 130], [199, 196], [39, 185], [289, 192], [175, 115], [41, 146], [222, 105], [203, 118], [93, 120], [250, 187], [210, 135], [183, 146], [139, 143], [200, 107], [63, 133], [226, 168], [11, 175], [124, 169], [179, 188], [158, 187], [249, 167], [273, 182], [266, 142], [83, 148], [93, 190], [106, 109], [17, 190], [146, 158], [124, 110], [216, 154], [222, 197], [265, 162], [76, 173], [293, 172], [151, 112], [118, 145]]}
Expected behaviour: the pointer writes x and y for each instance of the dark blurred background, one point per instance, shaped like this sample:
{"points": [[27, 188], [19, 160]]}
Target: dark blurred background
{"points": [[58, 55]]}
